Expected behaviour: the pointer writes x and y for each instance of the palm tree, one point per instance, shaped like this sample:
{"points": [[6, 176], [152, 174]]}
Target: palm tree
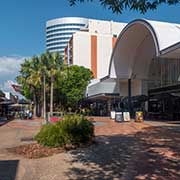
{"points": [[43, 64], [55, 64], [30, 78]]}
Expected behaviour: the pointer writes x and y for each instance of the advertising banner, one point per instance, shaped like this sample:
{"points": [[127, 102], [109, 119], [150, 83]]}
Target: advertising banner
{"points": [[139, 116], [126, 116], [119, 117]]}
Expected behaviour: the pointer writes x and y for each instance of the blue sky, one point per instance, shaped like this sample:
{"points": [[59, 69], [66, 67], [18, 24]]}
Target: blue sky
{"points": [[22, 32]]}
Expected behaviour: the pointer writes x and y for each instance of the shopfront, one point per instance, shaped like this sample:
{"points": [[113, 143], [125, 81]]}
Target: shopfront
{"points": [[147, 57]]}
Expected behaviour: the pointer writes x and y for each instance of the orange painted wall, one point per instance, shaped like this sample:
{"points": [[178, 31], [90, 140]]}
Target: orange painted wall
{"points": [[114, 39], [94, 55], [65, 55]]}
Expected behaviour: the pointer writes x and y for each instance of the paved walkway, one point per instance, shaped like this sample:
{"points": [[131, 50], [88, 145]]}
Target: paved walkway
{"points": [[124, 151]]}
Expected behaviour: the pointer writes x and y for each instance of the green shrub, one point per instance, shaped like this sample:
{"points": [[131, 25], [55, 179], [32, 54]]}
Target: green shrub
{"points": [[73, 130]]}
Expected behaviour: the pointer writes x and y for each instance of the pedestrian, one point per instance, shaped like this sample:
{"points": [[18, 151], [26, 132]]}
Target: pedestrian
{"points": [[30, 115]]}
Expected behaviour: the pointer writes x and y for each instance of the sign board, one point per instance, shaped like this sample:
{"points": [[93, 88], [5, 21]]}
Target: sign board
{"points": [[139, 116], [54, 117], [119, 117], [113, 114], [126, 116]]}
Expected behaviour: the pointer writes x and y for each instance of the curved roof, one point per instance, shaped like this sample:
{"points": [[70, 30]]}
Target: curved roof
{"points": [[164, 35], [167, 34]]}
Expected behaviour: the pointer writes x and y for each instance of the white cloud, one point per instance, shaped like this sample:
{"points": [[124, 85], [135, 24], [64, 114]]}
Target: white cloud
{"points": [[9, 67]]}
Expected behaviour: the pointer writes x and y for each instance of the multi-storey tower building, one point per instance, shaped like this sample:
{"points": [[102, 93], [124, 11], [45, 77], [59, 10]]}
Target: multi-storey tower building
{"points": [[60, 30]]}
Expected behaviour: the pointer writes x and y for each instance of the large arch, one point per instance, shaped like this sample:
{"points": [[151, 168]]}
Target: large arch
{"points": [[138, 43]]}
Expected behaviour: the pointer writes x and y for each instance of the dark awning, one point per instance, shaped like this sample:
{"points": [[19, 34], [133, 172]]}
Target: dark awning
{"points": [[165, 90], [103, 96], [6, 102], [24, 101]]}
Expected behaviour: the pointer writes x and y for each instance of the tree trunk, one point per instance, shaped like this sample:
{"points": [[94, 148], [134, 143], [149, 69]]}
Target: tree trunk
{"points": [[42, 102], [51, 96], [35, 105], [44, 96]]}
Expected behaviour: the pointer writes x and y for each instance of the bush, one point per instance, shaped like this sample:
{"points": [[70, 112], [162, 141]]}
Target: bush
{"points": [[72, 130]]}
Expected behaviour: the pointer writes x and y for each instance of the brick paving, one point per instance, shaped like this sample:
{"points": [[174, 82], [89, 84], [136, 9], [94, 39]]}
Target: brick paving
{"points": [[124, 151], [26, 124], [114, 128]]}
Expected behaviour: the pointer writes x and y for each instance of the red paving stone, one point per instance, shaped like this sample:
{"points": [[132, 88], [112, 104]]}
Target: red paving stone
{"points": [[110, 127], [26, 124]]}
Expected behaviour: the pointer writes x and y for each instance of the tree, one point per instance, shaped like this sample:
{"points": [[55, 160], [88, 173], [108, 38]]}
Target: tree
{"points": [[67, 83], [43, 63], [73, 85], [32, 73], [117, 6], [30, 79], [55, 65]]}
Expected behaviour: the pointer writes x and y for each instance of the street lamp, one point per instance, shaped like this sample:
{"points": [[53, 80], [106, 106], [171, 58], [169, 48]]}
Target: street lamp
{"points": [[44, 84]]}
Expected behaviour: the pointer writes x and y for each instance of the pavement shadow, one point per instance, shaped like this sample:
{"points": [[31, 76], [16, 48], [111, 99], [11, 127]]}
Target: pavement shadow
{"points": [[152, 154], [8, 169], [106, 159], [159, 153], [2, 123]]}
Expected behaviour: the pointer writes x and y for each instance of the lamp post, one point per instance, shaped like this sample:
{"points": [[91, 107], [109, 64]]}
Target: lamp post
{"points": [[44, 84], [132, 77]]}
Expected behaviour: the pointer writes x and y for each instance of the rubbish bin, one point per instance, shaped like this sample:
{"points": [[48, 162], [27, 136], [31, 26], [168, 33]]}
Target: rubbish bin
{"points": [[119, 117]]}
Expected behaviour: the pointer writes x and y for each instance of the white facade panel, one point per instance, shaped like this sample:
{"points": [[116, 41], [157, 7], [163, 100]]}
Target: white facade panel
{"points": [[82, 49], [104, 50], [117, 27], [99, 26], [105, 27]]}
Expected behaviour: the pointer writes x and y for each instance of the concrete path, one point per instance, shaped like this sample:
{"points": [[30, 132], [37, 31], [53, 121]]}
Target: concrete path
{"points": [[122, 151]]}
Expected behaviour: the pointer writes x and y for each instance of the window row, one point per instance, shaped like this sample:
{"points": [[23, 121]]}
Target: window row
{"points": [[63, 29], [57, 39], [59, 34], [57, 43], [58, 48], [62, 25]]}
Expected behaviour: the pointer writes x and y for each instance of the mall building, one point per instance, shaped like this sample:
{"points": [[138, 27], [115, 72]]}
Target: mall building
{"points": [[144, 66], [60, 30], [92, 46]]}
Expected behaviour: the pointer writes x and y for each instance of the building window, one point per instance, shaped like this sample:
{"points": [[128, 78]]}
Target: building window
{"points": [[62, 25], [59, 34], [63, 29]]}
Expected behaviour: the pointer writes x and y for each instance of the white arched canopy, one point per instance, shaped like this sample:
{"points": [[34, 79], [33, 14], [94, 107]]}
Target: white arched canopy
{"points": [[138, 43], [148, 53]]}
